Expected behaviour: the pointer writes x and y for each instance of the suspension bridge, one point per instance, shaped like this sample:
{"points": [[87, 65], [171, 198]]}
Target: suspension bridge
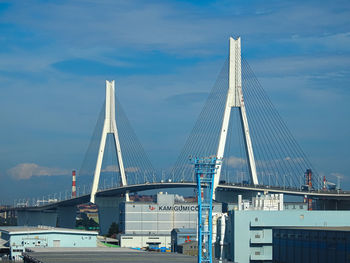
{"points": [[238, 124]]}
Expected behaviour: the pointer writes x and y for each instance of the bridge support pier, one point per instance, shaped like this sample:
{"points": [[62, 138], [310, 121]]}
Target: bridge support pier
{"points": [[232, 196], [35, 218], [108, 211], [66, 216]]}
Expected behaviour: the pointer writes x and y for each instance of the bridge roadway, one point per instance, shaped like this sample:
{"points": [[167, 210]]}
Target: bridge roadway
{"points": [[118, 191]]}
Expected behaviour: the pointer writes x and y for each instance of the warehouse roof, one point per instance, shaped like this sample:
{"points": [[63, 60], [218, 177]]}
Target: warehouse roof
{"points": [[43, 229], [145, 234], [325, 228], [185, 230], [105, 255]]}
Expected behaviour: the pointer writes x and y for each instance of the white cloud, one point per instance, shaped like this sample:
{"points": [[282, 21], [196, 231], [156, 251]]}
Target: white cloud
{"points": [[339, 178], [110, 168], [132, 169], [338, 175], [235, 162], [115, 168], [309, 67], [27, 170]]}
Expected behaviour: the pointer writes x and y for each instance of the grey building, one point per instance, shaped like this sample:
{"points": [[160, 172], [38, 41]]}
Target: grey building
{"points": [[249, 237], [146, 223], [180, 236], [161, 217]]}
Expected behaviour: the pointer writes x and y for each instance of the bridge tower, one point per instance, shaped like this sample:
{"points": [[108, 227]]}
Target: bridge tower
{"points": [[109, 127], [235, 99]]}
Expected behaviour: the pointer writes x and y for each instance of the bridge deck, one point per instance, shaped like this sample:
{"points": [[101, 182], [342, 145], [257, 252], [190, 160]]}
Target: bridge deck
{"points": [[327, 195]]}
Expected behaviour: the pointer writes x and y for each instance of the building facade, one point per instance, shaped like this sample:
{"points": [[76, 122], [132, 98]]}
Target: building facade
{"points": [[248, 234], [159, 218], [150, 220], [180, 236], [144, 241], [20, 238]]}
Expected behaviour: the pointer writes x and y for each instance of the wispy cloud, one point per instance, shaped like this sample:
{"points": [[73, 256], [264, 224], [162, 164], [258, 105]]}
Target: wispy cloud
{"points": [[24, 171], [338, 175], [115, 168], [235, 162], [301, 65]]}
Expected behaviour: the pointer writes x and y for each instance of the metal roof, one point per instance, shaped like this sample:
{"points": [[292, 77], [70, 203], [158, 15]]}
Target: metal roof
{"points": [[104, 255], [323, 228], [15, 230], [185, 230], [144, 235]]}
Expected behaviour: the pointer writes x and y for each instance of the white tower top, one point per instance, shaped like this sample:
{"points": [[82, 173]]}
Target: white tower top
{"points": [[235, 99]]}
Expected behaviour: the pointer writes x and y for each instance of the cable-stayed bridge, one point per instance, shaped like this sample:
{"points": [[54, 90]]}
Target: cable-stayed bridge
{"points": [[238, 124]]}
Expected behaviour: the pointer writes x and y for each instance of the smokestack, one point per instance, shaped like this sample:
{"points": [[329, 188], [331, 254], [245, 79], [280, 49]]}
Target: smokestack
{"points": [[74, 188]]}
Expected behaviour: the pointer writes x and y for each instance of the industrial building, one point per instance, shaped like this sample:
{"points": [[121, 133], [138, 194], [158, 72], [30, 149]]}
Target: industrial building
{"points": [[249, 237], [180, 236], [311, 244], [19, 238], [144, 222]]}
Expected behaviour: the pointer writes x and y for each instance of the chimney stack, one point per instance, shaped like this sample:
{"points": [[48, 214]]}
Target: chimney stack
{"points": [[74, 188]]}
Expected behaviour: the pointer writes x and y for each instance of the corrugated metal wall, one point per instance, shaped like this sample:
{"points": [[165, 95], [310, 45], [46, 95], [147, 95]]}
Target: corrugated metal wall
{"points": [[159, 219], [310, 246]]}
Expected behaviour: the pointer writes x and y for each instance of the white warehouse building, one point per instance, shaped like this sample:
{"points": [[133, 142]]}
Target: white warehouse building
{"points": [[18, 238]]}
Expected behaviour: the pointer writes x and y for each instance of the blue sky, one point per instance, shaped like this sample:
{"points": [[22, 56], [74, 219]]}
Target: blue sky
{"points": [[164, 56]]}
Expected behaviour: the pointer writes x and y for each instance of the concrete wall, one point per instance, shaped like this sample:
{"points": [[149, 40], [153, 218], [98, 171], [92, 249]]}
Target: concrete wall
{"points": [[66, 216], [62, 217], [35, 218], [108, 212], [249, 235]]}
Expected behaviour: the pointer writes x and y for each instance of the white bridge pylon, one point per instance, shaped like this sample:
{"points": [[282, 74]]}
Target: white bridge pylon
{"points": [[109, 127], [235, 100]]}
